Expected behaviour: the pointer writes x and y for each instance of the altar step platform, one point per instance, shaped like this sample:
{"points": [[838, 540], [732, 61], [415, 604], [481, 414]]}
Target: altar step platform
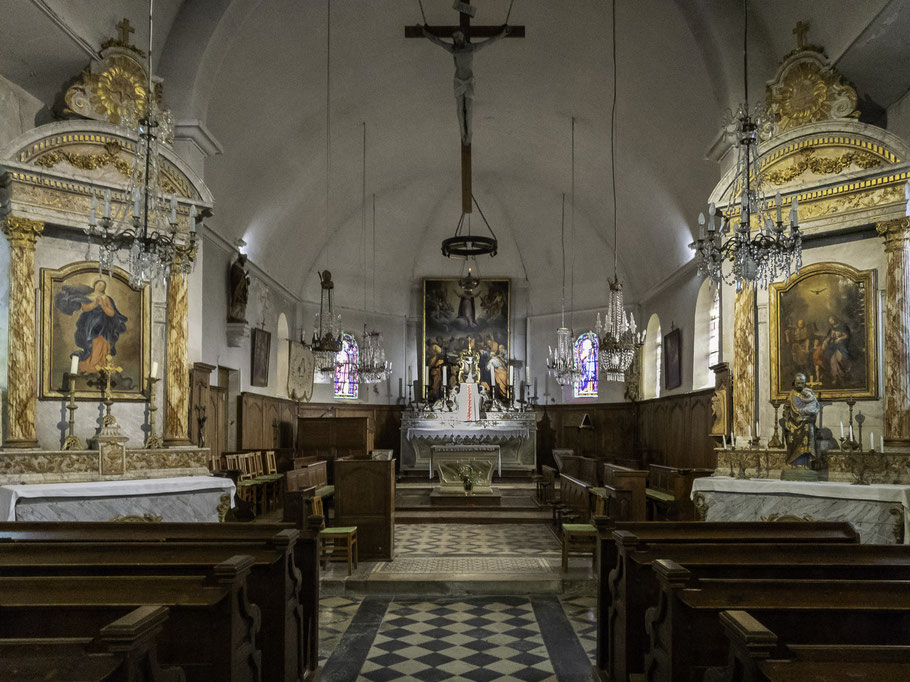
{"points": [[511, 502]]}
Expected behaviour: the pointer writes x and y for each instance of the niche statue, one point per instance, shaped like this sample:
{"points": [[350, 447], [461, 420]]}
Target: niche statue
{"points": [[800, 412], [240, 288]]}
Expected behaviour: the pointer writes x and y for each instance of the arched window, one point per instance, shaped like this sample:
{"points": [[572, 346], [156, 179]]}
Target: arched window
{"points": [[706, 346], [586, 359], [651, 359], [281, 363], [346, 368]]}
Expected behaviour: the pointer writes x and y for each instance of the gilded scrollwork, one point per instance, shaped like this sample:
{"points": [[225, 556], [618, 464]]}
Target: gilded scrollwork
{"points": [[110, 157], [806, 89], [106, 87], [808, 160]]}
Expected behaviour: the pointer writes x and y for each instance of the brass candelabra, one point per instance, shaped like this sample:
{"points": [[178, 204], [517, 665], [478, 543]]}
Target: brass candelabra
{"points": [[108, 369], [153, 441], [775, 441], [72, 441]]}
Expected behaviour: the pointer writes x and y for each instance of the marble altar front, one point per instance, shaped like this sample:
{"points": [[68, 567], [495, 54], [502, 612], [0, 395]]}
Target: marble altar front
{"points": [[514, 432], [483, 459], [879, 512], [200, 499]]}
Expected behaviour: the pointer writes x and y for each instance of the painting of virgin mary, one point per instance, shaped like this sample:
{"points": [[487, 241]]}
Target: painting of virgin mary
{"points": [[98, 326]]}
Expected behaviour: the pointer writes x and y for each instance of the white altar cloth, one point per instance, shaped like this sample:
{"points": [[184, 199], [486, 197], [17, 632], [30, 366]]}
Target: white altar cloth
{"points": [[789, 491], [10, 494]]}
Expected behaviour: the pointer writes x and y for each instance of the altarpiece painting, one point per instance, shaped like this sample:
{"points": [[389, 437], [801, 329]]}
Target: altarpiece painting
{"points": [[823, 325], [94, 315], [465, 313]]}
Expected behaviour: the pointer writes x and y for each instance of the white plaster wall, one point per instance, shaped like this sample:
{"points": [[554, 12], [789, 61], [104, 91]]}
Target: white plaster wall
{"points": [[899, 117], [863, 254], [18, 110], [53, 252]]}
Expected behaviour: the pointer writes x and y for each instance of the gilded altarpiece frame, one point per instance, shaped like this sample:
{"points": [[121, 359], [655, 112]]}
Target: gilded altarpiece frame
{"points": [[90, 314], [823, 323]]}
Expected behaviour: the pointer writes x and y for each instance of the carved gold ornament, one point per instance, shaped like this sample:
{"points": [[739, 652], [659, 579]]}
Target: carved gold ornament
{"points": [[821, 165], [806, 89], [107, 88], [110, 157], [22, 231]]}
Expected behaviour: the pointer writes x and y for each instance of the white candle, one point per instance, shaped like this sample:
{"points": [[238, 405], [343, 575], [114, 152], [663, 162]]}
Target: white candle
{"points": [[154, 370], [750, 432], [173, 209], [527, 375], [192, 217], [724, 436], [842, 430], [92, 219], [426, 375], [871, 441], [511, 377], [136, 203], [74, 364], [851, 432], [445, 376], [107, 203], [410, 373], [881, 443]]}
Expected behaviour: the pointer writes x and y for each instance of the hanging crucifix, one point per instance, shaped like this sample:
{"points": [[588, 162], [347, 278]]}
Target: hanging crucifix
{"points": [[462, 50]]}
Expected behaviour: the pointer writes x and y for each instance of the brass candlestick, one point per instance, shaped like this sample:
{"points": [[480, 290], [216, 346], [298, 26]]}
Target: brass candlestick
{"points": [[108, 369], [775, 441], [153, 441], [72, 441]]}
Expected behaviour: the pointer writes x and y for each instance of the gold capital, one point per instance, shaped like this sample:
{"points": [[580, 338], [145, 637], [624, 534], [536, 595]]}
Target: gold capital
{"points": [[22, 231], [896, 233]]}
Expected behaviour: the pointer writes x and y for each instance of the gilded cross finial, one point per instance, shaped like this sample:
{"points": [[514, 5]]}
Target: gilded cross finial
{"points": [[802, 28], [109, 367], [125, 30]]}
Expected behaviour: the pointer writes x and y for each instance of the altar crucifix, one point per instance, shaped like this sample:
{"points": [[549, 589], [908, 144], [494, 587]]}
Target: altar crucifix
{"points": [[462, 50]]}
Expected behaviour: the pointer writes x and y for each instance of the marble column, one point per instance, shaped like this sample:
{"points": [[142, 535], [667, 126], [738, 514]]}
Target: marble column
{"points": [[177, 379], [745, 346], [896, 324], [22, 394]]}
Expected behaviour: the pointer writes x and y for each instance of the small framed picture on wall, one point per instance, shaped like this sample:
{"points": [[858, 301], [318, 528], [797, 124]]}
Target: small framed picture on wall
{"points": [[673, 359], [261, 344]]}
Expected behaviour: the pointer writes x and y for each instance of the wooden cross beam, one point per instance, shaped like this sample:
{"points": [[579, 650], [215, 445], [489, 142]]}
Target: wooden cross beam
{"points": [[469, 31]]}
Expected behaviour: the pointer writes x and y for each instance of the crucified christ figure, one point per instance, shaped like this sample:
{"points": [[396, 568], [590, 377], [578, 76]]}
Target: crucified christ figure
{"points": [[462, 52]]}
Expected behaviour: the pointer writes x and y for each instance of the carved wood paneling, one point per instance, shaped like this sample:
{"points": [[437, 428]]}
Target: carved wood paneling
{"points": [[675, 430]]}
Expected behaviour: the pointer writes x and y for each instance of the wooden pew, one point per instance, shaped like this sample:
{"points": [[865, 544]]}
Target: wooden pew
{"points": [[668, 492], [306, 552], [633, 585], [758, 655], [684, 631], [124, 650], [634, 480], [274, 584], [211, 632], [670, 532], [575, 504]]}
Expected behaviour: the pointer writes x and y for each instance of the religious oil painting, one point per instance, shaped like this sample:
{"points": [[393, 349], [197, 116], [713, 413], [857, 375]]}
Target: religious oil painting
{"points": [[261, 345], [673, 359], [466, 333], [91, 316], [823, 325]]}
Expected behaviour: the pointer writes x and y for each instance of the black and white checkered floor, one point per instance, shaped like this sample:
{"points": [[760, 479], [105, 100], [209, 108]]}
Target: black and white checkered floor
{"points": [[515, 635], [540, 637]]}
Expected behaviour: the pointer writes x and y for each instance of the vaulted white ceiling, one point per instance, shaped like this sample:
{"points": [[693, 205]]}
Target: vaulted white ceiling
{"points": [[254, 71]]}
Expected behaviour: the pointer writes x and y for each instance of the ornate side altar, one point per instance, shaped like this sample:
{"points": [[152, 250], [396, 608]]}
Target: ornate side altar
{"points": [[879, 512], [75, 466], [514, 432]]}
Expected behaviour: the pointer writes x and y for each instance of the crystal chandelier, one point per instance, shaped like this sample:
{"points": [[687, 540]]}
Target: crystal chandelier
{"points": [[760, 248], [326, 331], [561, 363], [616, 332], [155, 247]]}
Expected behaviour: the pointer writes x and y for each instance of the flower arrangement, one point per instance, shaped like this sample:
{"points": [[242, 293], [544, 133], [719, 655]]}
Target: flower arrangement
{"points": [[468, 475]]}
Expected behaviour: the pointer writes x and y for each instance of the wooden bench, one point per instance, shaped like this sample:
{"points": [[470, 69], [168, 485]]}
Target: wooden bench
{"points": [[124, 650], [211, 630], [305, 551], [574, 501], [546, 487], [633, 480], [668, 492], [274, 584], [669, 532], [685, 635], [633, 585], [758, 655]]}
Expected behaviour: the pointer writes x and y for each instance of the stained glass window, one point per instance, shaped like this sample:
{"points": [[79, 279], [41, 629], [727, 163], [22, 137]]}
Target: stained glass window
{"points": [[346, 386], [586, 359]]}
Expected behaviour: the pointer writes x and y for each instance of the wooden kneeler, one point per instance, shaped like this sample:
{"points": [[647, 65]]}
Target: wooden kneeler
{"points": [[581, 538], [336, 543]]}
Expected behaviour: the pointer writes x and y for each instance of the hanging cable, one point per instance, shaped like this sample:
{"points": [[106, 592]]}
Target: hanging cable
{"points": [[422, 13], [363, 217], [613, 149], [572, 228], [562, 230], [373, 285], [509, 13], [328, 123]]}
